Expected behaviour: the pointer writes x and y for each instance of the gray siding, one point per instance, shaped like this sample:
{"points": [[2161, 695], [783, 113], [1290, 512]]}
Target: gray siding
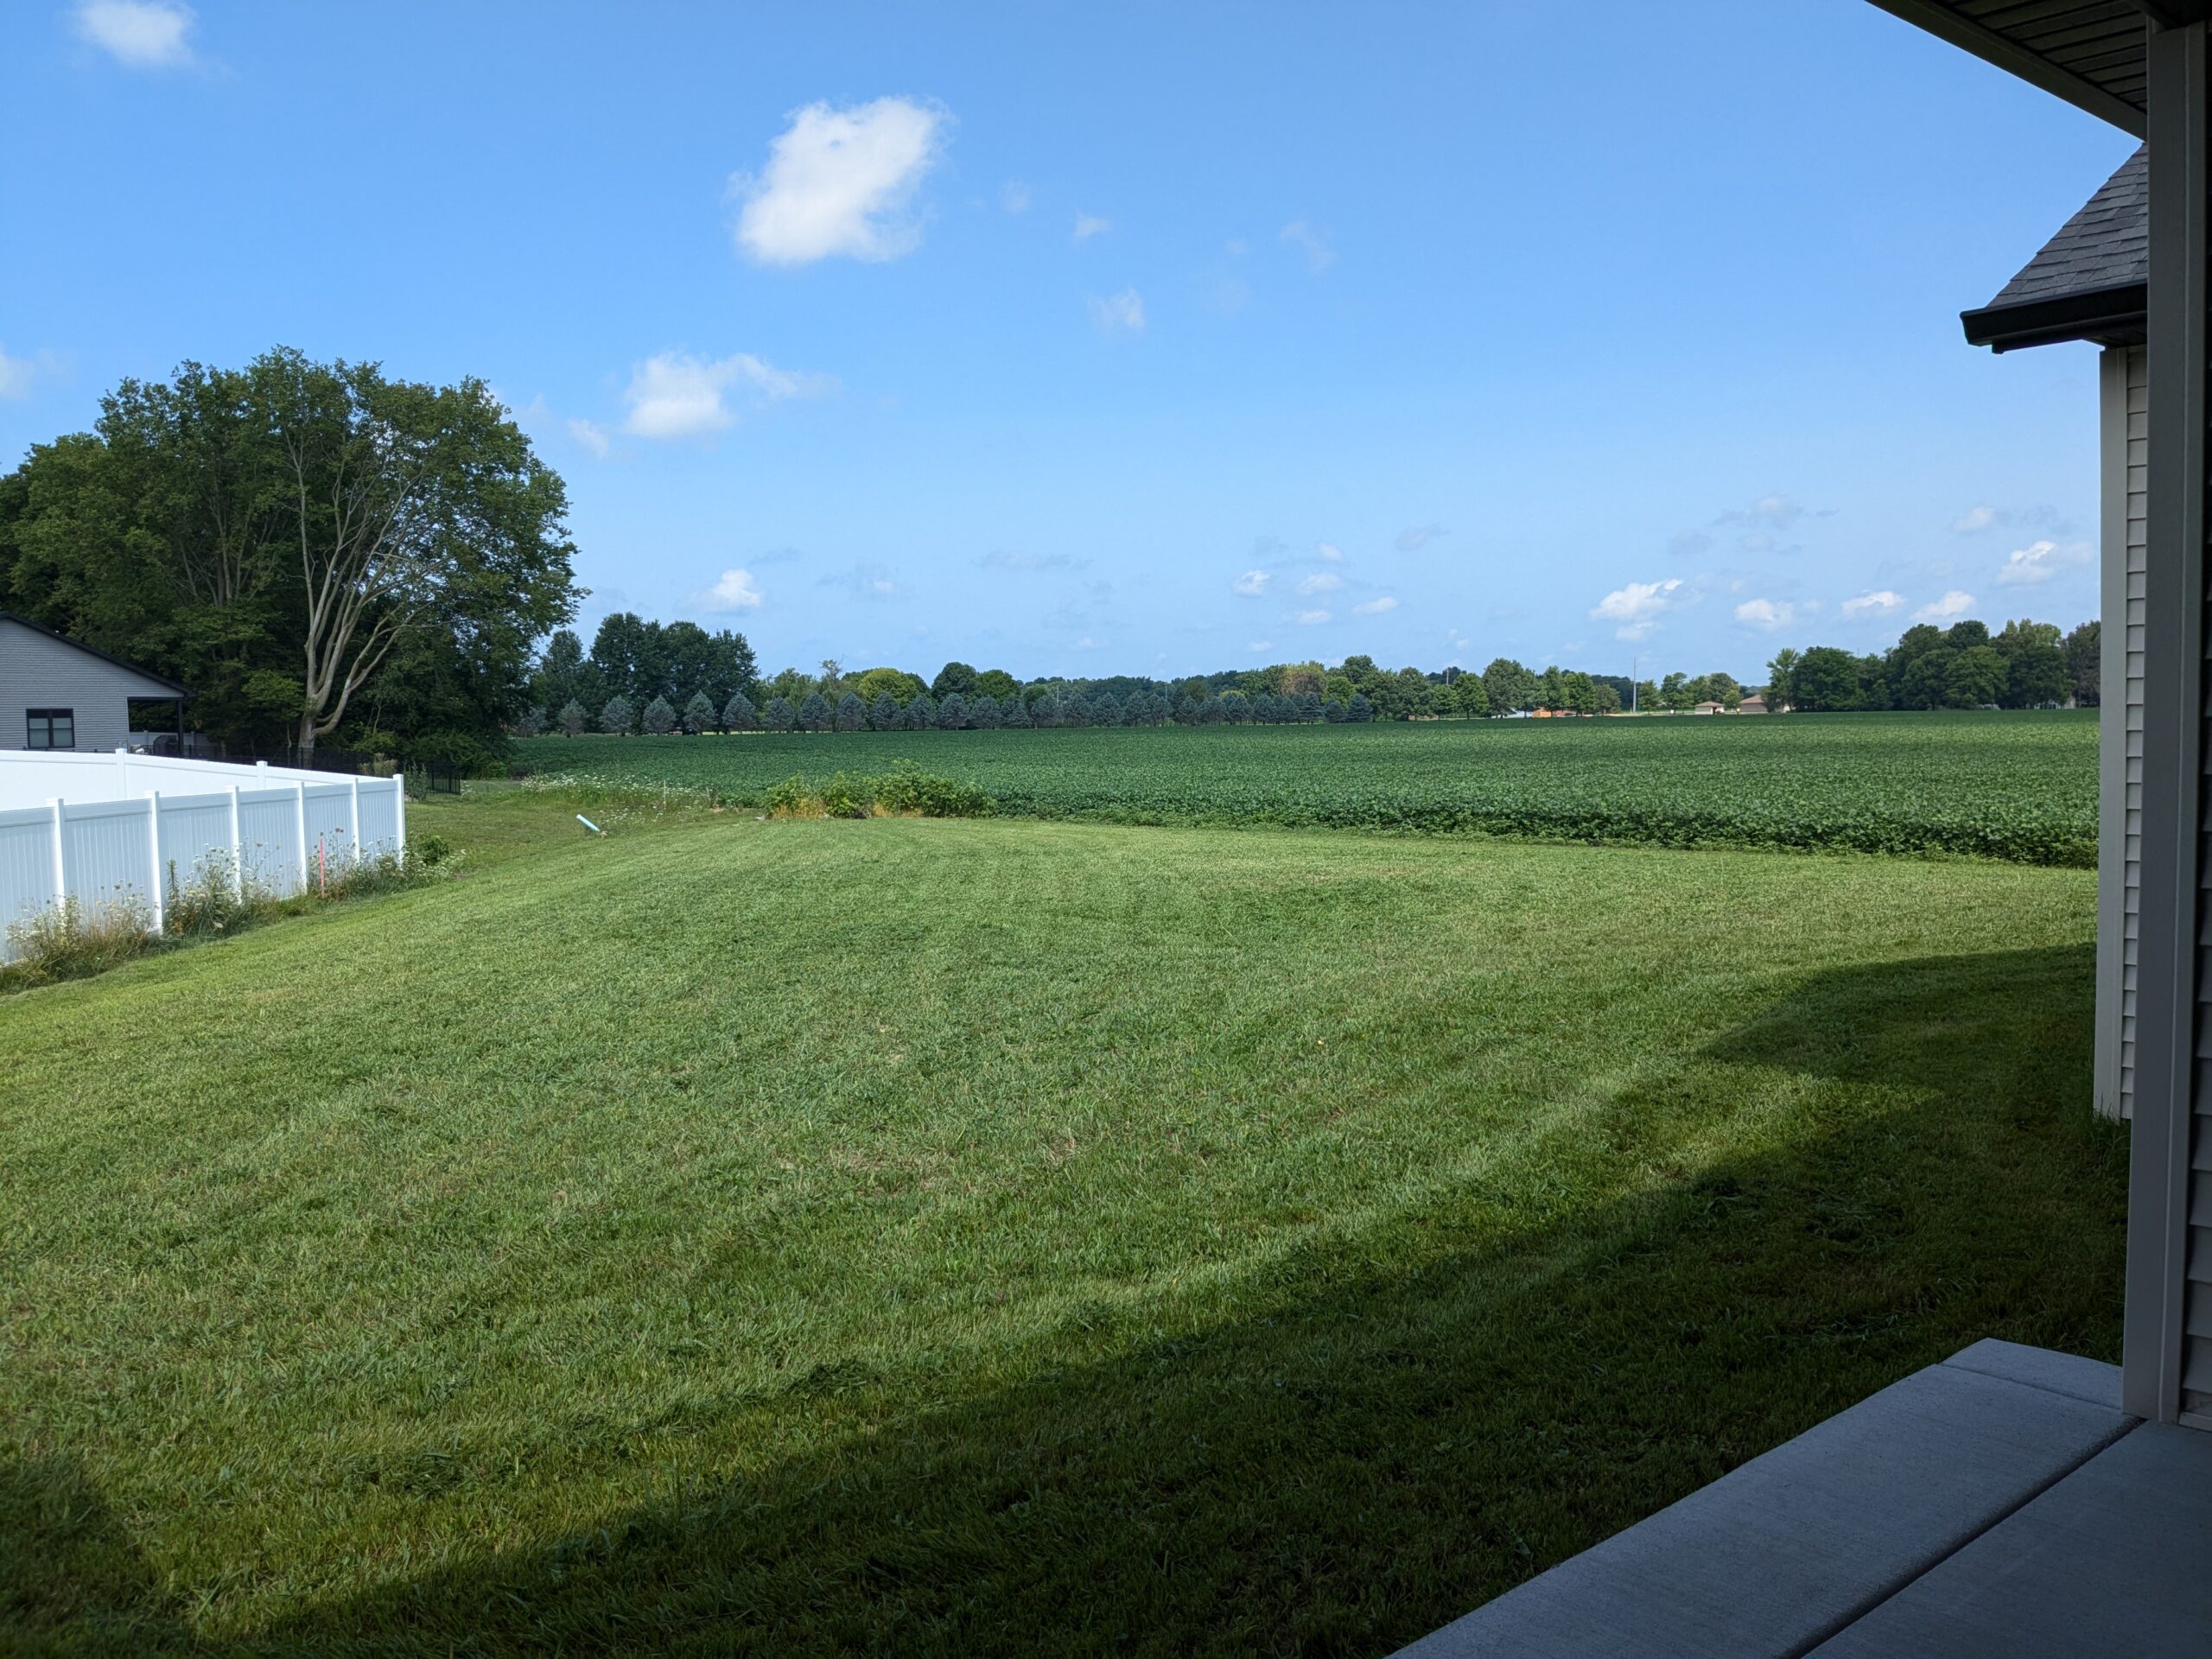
{"points": [[2123, 426], [39, 671]]}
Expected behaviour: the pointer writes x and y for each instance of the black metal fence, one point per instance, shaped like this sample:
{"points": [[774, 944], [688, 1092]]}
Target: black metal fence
{"points": [[423, 777]]}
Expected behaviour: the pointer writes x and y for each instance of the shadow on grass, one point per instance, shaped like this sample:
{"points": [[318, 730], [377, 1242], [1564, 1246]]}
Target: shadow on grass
{"points": [[1394, 1433]]}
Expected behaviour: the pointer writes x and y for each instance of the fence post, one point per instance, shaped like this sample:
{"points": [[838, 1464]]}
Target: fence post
{"points": [[353, 807], [238, 848], [299, 822], [60, 856], [399, 810], [154, 855]]}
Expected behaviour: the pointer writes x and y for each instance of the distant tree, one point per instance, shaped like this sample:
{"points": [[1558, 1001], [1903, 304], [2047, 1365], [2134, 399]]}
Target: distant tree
{"points": [[1609, 698], [1674, 692], [2035, 673], [739, 715], [885, 714], [983, 713], [894, 683], [1781, 690], [953, 712], [921, 713], [778, 715], [1578, 693], [1964, 636], [1107, 710], [831, 683], [530, 722], [659, 718], [1975, 676], [619, 716], [1014, 713], [573, 718], [997, 683], [1822, 681], [1922, 683], [1646, 697], [814, 712], [954, 677], [2083, 649], [1359, 708], [851, 713], [699, 713], [1335, 711]]}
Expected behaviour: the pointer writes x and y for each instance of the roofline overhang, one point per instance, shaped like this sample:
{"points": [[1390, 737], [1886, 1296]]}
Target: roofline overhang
{"points": [[175, 689], [2109, 317], [2010, 55]]}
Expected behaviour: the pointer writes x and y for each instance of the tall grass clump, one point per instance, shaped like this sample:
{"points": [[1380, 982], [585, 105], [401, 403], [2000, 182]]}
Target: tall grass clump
{"points": [[902, 792]]}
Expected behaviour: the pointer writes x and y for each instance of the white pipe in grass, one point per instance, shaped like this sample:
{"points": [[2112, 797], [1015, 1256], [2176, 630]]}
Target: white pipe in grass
{"points": [[589, 825]]}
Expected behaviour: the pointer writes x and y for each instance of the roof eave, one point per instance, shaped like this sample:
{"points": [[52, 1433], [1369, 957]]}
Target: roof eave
{"points": [[2010, 55], [2108, 316]]}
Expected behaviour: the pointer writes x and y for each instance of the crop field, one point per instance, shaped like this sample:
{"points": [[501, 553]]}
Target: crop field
{"points": [[2016, 787], [736, 1235]]}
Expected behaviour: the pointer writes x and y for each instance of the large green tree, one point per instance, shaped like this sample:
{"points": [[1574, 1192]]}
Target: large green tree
{"points": [[292, 538]]}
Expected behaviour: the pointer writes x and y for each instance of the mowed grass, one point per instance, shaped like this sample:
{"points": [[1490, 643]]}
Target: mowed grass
{"points": [[947, 1236], [2017, 786]]}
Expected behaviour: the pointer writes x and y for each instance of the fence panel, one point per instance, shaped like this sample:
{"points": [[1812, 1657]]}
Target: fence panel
{"points": [[269, 839], [105, 857], [26, 866], [380, 818], [195, 838], [330, 825]]}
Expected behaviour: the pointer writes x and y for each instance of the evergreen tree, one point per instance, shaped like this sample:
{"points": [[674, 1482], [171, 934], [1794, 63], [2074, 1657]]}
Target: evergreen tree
{"points": [[530, 722], [737, 715], [851, 713], [699, 713], [983, 714], [1334, 710], [814, 713], [1106, 710], [777, 715], [885, 714], [921, 714], [1015, 714], [1359, 708], [619, 716], [952, 713], [660, 719], [573, 719]]}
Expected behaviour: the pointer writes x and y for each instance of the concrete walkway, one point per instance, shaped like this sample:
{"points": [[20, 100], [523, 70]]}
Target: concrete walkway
{"points": [[1999, 1503]]}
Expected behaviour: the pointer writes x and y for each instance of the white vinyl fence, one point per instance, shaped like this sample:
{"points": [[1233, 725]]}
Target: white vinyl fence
{"points": [[119, 830]]}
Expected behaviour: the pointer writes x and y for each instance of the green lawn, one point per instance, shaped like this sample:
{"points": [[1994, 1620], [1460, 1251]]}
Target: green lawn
{"points": [[2018, 786], [973, 1236]]}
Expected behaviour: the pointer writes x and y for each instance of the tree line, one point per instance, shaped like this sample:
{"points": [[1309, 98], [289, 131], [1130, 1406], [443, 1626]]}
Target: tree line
{"points": [[2024, 665]]}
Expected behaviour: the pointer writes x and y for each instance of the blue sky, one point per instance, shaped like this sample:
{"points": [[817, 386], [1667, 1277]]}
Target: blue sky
{"points": [[1153, 339]]}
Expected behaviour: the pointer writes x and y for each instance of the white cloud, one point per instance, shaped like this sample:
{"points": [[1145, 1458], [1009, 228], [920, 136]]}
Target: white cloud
{"points": [[1879, 603], [1310, 619], [1088, 226], [677, 396], [1261, 645], [1953, 606], [142, 34], [1330, 551], [1013, 196], [1376, 607], [1419, 535], [736, 591], [840, 182], [1778, 511], [1121, 310], [2041, 561], [1767, 613], [1322, 581], [1636, 607], [1253, 583], [1310, 241], [591, 434], [1975, 519], [16, 377]]}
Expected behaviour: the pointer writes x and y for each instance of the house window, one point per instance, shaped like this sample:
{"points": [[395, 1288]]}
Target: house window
{"points": [[51, 728]]}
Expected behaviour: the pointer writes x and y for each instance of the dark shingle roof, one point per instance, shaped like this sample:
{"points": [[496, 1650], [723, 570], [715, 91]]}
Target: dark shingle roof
{"points": [[2088, 280]]}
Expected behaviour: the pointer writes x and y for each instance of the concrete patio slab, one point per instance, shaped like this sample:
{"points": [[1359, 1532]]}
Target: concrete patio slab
{"points": [[1779, 1556], [2114, 1559]]}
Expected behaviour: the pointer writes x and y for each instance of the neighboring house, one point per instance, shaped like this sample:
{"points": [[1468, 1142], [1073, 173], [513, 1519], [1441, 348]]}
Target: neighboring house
{"points": [[2090, 283], [1754, 704], [56, 694], [1709, 709]]}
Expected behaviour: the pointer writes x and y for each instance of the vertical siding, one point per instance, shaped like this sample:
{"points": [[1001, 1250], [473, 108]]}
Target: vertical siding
{"points": [[2123, 425], [2131, 733]]}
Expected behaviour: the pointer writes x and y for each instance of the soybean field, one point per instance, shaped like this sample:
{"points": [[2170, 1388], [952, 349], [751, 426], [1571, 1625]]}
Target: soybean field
{"points": [[2016, 786]]}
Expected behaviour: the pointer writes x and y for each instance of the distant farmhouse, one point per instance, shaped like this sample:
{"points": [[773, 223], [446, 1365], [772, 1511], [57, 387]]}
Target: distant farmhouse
{"points": [[56, 694], [2091, 283]]}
